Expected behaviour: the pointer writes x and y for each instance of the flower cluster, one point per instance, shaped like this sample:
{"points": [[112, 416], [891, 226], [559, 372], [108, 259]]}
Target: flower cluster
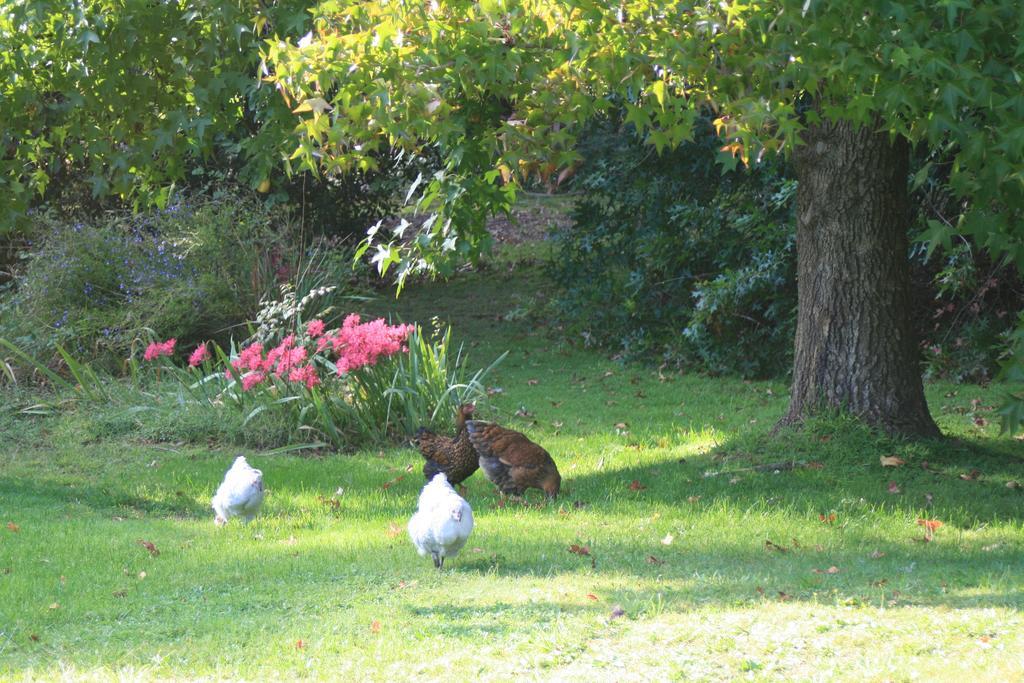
{"points": [[201, 353], [157, 349], [357, 344], [353, 345]]}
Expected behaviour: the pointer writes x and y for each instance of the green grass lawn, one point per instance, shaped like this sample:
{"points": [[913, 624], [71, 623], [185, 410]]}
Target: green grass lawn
{"points": [[700, 566]]}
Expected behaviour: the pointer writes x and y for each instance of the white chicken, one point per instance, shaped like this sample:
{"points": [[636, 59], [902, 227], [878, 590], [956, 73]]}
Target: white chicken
{"points": [[240, 494], [443, 522]]}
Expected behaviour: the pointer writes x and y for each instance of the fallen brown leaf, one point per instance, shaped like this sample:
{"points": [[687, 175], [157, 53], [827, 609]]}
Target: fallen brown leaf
{"points": [[880, 582], [532, 382], [393, 530], [120, 593], [970, 476], [930, 525], [12, 527], [299, 645], [876, 555], [830, 519], [148, 545], [374, 626], [651, 559], [768, 545], [636, 486], [693, 499], [579, 549], [815, 465], [784, 597], [893, 487], [892, 461], [388, 484], [592, 596], [34, 638]]}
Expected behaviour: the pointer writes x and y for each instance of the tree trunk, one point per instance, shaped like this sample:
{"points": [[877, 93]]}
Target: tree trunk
{"points": [[855, 346]]}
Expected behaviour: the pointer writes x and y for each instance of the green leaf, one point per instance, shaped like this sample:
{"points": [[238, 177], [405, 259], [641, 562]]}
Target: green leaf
{"points": [[317, 105], [658, 88]]}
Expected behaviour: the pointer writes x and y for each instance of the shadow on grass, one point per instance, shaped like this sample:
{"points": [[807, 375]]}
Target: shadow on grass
{"points": [[101, 497], [963, 482]]}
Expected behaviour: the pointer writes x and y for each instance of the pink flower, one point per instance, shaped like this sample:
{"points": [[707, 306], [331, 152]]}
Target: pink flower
{"points": [[251, 358], [306, 374], [275, 353], [360, 344], [251, 379], [157, 349], [198, 356], [314, 328], [290, 358]]}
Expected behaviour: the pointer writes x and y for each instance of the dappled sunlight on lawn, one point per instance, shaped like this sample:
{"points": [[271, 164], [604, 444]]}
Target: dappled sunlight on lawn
{"points": [[687, 542]]}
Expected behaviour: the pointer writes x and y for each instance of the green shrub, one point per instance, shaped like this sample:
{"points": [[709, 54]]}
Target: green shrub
{"points": [[740, 315], [196, 271], [657, 261], [354, 384], [969, 310]]}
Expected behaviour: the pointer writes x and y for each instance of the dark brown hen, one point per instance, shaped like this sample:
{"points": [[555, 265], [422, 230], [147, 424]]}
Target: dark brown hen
{"points": [[454, 456], [511, 461]]}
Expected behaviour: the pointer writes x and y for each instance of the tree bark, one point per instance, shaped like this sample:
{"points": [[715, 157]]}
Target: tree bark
{"points": [[855, 346]]}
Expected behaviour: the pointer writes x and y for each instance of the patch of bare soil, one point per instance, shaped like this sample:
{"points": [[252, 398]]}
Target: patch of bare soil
{"points": [[532, 221]]}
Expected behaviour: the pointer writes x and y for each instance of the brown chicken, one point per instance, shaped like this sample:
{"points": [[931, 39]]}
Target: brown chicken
{"points": [[512, 462], [455, 456]]}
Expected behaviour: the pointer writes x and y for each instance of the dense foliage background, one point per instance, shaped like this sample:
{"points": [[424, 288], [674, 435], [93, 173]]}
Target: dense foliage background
{"points": [[199, 115], [671, 258]]}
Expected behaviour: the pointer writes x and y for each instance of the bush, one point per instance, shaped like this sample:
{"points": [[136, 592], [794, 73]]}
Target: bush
{"points": [[196, 271], [668, 257], [739, 315], [969, 310], [355, 384]]}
